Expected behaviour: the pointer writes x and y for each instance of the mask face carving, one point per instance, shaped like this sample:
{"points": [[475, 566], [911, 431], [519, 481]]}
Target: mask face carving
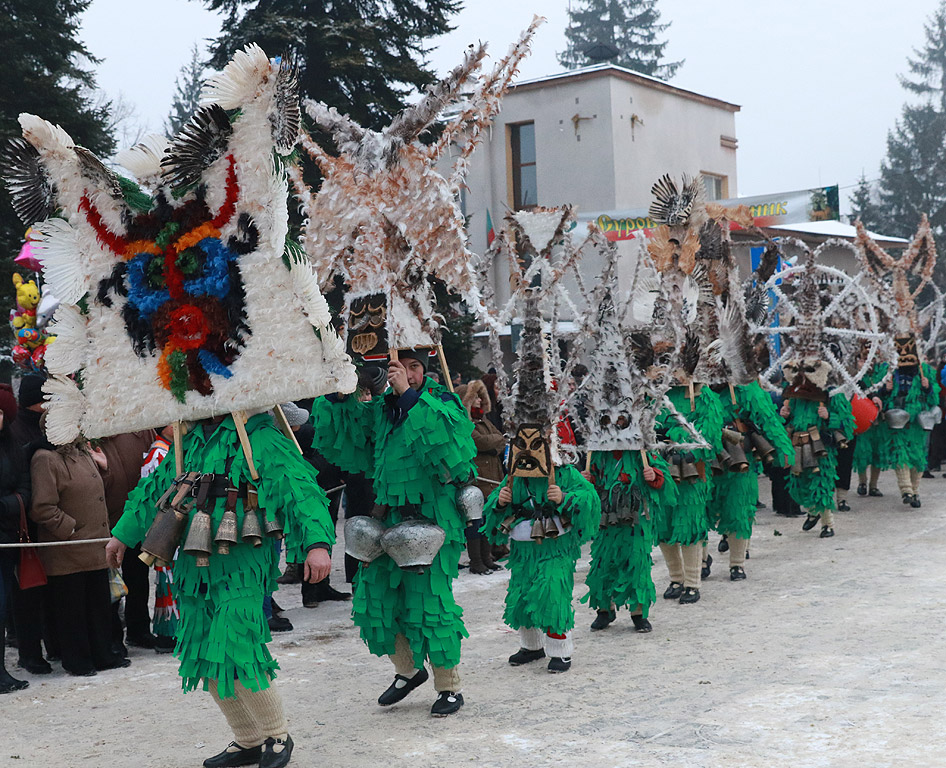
{"points": [[529, 452], [367, 317], [807, 378], [907, 354]]}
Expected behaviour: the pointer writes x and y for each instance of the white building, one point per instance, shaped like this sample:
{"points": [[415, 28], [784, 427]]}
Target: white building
{"points": [[596, 138]]}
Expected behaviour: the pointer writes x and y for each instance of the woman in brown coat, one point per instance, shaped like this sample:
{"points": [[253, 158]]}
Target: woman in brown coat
{"points": [[490, 445], [69, 505]]}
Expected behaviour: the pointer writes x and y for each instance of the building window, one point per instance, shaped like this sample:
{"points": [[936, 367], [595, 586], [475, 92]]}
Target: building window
{"points": [[716, 187], [525, 190]]}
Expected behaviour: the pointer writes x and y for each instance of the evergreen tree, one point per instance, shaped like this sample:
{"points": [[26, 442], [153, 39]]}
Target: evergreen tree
{"points": [[363, 57], [628, 27], [913, 174], [187, 93], [864, 205], [44, 73]]}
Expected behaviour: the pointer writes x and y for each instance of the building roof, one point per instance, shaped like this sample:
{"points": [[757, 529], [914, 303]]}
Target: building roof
{"points": [[828, 229], [622, 73]]}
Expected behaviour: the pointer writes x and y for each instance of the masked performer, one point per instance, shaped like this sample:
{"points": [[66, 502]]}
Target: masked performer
{"points": [[681, 214], [546, 508], [752, 433], [622, 393], [384, 222], [177, 306], [910, 397]]}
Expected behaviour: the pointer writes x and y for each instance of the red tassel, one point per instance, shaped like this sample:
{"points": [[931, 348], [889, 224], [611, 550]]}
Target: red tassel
{"points": [[113, 242], [233, 192]]}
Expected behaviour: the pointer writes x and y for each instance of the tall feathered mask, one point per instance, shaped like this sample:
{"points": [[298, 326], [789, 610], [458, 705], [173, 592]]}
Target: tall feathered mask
{"points": [[179, 304]]}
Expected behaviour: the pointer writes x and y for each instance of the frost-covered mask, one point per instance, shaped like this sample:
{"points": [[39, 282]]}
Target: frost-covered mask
{"points": [[367, 318], [807, 377], [530, 455], [907, 354]]}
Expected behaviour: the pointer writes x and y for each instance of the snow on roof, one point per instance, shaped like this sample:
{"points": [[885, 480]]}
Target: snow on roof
{"points": [[595, 69], [833, 228]]}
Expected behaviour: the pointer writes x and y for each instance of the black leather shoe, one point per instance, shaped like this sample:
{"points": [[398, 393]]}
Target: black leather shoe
{"points": [[673, 591], [447, 703], [119, 663], [843, 506], [906, 498], [558, 664], [640, 623], [810, 522], [328, 592], [690, 595], [234, 755], [862, 489], [874, 492], [279, 624], [603, 619], [396, 693], [35, 666], [723, 545], [915, 501], [705, 572], [826, 532], [164, 644], [9, 684], [736, 573], [524, 656], [276, 752]]}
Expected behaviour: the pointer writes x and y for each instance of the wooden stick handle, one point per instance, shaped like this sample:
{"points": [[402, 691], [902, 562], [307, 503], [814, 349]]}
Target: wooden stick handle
{"points": [[444, 367], [239, 421], [691, 395], [178, 430], [732, 394], [283, 423], [588, 462], [644, 460]]}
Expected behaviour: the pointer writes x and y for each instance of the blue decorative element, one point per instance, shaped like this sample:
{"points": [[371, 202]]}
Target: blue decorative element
{"points": [[212, 364], [141, 295], [215, 280]]}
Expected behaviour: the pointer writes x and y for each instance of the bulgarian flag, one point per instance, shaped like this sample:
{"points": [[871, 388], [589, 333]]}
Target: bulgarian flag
{"points": [[490, 232]]}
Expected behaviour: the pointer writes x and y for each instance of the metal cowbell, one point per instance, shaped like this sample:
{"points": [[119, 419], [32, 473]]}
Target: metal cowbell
{"points": [[226, 532], [199, 538]]}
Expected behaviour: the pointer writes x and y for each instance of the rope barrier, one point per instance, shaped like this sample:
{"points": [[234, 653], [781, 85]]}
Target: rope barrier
{"points": [[21, 545]]}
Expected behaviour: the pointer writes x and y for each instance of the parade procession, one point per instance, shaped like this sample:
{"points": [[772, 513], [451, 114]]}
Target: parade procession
{"points": [[569, 473]]}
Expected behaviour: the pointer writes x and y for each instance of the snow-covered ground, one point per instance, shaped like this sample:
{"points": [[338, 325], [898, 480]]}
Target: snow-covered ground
{"points": [[831, 654]]}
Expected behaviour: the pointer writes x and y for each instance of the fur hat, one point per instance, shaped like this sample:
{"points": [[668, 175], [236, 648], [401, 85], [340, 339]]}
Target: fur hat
{"points": [[476, 389]]}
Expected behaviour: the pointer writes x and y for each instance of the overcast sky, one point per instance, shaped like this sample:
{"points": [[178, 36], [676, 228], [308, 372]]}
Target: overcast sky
{"points": [[816, 79]]}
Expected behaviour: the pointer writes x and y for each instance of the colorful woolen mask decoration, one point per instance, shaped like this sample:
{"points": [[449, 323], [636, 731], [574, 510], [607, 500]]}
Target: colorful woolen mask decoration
{"points": [[187, 301]]}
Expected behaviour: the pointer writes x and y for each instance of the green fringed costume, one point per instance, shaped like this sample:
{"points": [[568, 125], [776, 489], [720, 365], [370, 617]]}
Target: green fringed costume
{"points": [[815, 490], [413, 464], [621, 563], [735, 494], [222, 634], [907, 447], [542, 576], [687, 523], [870, 449]]}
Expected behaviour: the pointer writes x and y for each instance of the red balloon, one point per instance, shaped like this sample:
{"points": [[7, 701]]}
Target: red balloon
{"points": [[865, 413]]}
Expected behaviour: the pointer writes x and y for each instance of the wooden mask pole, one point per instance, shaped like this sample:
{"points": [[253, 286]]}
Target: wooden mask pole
{"points": [[732, 394], [444, 367], [178, 430], [283, 423], [644, 460], [239, 421]]}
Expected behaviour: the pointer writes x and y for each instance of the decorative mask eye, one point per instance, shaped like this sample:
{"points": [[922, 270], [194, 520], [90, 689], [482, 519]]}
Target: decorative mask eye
{"points": [[536, 444], [519, 443]]}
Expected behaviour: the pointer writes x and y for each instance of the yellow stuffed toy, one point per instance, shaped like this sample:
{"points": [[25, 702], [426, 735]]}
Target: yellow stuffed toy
{"points": [[27, 297]]}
